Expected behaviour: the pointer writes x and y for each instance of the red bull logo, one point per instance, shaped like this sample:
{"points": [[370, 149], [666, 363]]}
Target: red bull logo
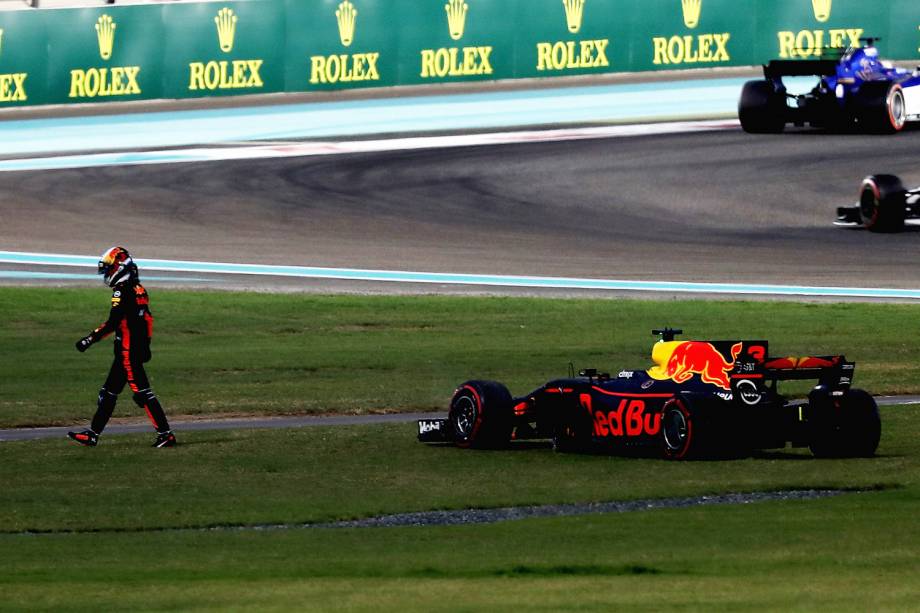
{"points": [[696, 358], [690, 358]]}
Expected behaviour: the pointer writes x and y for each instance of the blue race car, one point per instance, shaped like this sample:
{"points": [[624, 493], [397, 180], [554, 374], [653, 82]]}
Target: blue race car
{"points": [[858, 90]]}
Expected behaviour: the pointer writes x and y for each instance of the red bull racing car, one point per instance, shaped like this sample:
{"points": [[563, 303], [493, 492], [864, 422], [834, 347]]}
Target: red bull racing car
{"points": [[884, 206], [699, 399]]}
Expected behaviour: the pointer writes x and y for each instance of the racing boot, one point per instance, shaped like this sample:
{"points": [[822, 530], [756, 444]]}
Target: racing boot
{"points": [[165, 439], [84, 437]]}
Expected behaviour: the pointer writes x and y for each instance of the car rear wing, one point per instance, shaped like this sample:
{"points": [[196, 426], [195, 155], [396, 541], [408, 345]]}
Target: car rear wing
{"points": [[799, 68], [833, 371], [754, 370]]}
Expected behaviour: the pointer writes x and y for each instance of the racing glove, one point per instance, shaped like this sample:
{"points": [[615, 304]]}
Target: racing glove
{"points": [[84, 343]]}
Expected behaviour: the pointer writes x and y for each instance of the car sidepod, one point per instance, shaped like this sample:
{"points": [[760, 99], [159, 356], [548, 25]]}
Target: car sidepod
{"points": [[911, 89], [617, 414]]}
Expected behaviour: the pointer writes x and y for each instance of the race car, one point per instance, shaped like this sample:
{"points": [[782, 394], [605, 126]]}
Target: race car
{"points": [[699, 399], [884, 206], [858, 90]]}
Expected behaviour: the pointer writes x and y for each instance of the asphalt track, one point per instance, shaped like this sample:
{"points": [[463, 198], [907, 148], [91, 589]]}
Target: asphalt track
{"points": [[720, 206]]}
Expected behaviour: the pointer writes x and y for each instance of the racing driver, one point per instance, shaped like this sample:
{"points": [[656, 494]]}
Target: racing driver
{"points": [[132, 322]]}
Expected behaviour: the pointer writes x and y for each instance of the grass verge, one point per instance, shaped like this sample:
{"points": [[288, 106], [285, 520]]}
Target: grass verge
{"points": [[117, 527], [853, 552], [223, 352]]}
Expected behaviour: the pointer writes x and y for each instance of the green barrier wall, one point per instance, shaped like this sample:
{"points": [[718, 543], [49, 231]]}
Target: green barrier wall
{"points": [[187, 50], [96, 58]]}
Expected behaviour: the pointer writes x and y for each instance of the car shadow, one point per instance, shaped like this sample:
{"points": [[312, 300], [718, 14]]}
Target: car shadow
{"points": [[822, 131]]}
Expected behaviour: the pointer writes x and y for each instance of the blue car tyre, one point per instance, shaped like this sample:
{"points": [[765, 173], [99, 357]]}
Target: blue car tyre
{"points": [[761, 108], [881, 107]]}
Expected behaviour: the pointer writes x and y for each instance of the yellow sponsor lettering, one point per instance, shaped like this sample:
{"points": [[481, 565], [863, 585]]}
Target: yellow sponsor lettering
{"points": [[118, 84], [104, 82], [13, 87], [567, 55], [708, 48], [358, 70], [456, 62], [344, 68], [240, 78], [196, 75], [225, 74], [812, 43]]}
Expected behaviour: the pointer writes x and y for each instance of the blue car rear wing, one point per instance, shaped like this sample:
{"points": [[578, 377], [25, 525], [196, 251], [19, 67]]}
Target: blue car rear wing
{"points": [[800, 68]]}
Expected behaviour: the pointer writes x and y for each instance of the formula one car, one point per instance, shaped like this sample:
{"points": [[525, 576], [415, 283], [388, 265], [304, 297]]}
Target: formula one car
{"points": [[700, 399], [857, 90], [884, 206]]}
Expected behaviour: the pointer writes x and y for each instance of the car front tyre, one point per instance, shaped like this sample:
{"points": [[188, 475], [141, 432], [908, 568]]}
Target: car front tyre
{"points": [[882, 203], [481, 415]]}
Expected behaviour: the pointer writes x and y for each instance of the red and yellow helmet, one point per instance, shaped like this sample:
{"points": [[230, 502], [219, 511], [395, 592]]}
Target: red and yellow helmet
{"points": [[116, 266]]}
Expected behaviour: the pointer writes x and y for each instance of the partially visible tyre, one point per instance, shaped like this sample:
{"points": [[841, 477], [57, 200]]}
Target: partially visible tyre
{"points": [[678, 428], [882, 203], [481, 415], [845, 427], [761, 109], [572, 431], [687, 430], [881, 107]]}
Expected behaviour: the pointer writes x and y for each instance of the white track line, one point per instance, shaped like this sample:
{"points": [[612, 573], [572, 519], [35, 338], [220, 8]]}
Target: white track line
{"points": [[445, 278], [302, 149]]}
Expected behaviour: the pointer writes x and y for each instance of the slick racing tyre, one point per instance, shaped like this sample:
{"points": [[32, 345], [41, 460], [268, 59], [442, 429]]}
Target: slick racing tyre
{"points": [[881, 107], [882, 203], [685, 431], [572, 433], [761, 109], [845, 427], [481, 415]]}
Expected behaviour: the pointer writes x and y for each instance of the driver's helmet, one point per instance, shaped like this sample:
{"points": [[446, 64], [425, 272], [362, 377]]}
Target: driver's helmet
{"points": [[116, 266]]}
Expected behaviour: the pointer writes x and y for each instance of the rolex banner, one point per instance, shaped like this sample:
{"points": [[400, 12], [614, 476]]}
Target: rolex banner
{"points": [[102, 55], [336, 44], [23, 65], [194, 49], [220, 49], [810, 30], [573, 37], [453, 40]]}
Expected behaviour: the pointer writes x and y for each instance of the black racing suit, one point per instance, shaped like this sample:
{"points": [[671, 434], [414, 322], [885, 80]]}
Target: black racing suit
{"points": [[132, 322]]}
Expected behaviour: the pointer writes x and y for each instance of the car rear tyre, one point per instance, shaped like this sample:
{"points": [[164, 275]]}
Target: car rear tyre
{"points": [[881, 107], [848, 427], [480, 415], [761, 108], [882, 203]]}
